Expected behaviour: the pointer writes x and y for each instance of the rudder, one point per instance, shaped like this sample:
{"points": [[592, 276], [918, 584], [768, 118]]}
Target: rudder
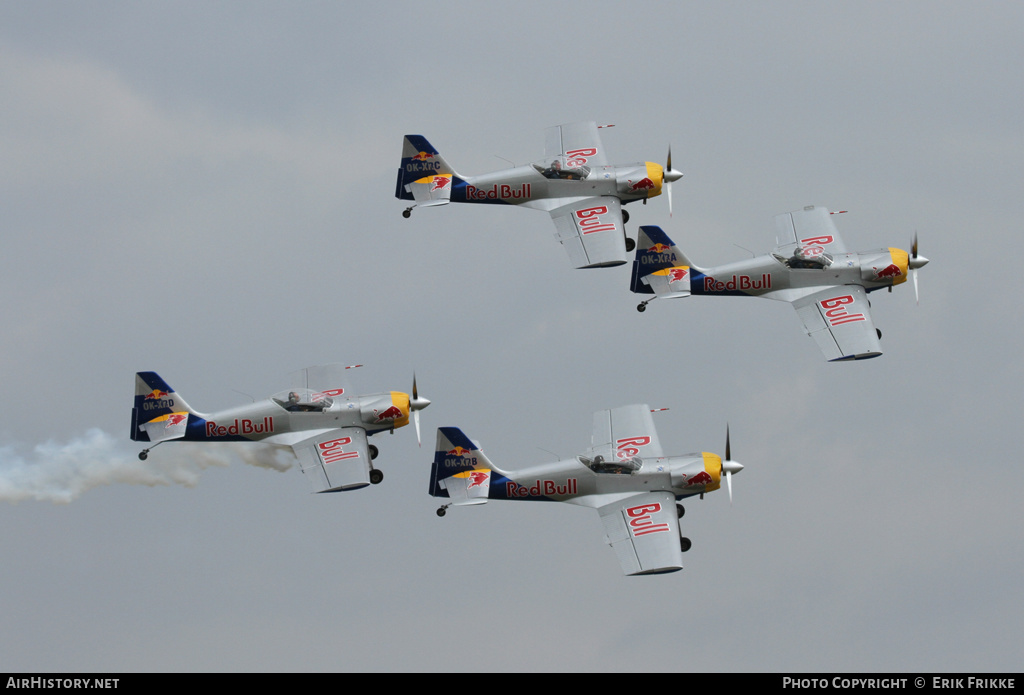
{"points": [[419, 160]]}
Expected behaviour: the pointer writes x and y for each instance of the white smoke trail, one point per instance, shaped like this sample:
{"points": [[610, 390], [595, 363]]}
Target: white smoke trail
{"points": [[61, 472]]}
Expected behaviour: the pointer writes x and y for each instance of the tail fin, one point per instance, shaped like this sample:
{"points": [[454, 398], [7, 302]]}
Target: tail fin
{"points": [[158, 413], [460, 469], [655, 251], [419, 160]]}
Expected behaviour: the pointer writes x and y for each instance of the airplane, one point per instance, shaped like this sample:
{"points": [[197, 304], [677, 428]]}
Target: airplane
{"points": [[324, 424], [811, 269], [573, 182], [624, 475]]}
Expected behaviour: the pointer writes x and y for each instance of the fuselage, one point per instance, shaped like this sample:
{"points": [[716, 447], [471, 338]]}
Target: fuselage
{"points": [[278, 415], [592, 483], [770, 276], [527, 185]]}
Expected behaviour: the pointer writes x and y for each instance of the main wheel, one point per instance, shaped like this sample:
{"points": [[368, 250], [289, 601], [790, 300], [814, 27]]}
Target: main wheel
{"points": [[684, 544], [680, 510], [376, 476], [373, 452]]}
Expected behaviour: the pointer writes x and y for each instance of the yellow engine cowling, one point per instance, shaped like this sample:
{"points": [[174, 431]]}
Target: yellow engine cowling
{"points": [[702, 475], [888, 265], [641, 181], [385, 410]]}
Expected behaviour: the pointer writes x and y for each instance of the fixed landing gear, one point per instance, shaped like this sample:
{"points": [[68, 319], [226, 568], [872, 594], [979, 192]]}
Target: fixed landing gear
{"points": [[376, 476], [642, 306], [373, 452], [407, 213], [144, 454], [443, 509], [684, 544], [680, 510]]}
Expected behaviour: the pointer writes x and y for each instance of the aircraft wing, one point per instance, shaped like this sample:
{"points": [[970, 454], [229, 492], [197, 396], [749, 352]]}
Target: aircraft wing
{"points": [[812, 225], [643, 530], [623, 433], [591, 231], [839, 320], [575, 139], [337, 459]]}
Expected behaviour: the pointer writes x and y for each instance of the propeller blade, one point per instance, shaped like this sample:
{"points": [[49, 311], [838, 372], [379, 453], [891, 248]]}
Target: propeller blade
{"points": [[416, 404], [728, 484]]}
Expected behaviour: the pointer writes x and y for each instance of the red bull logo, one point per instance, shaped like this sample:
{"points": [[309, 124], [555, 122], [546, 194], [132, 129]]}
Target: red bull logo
{"points": [[678, 274], [422, 156], [702, 478], [644, 184], [890, 271], [478, 479], [659, 248], [640, 521], [156, 394], [392, 413], [176, 419], [441, 183], [836, 312], [460, 451]]}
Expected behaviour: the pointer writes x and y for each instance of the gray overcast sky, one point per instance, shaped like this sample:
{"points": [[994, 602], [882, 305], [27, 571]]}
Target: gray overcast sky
{"points": [[206, 190]]}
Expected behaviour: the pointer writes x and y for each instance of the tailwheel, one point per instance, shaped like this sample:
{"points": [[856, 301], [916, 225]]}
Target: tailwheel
{"points": [[376, 476], [641, 307], [407, 213], [144, 454], [442, 510], [685, 544]]}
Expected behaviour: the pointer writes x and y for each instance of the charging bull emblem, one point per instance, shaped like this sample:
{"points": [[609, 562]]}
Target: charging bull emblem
{"points": [[392, 413], [890, 271]]}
